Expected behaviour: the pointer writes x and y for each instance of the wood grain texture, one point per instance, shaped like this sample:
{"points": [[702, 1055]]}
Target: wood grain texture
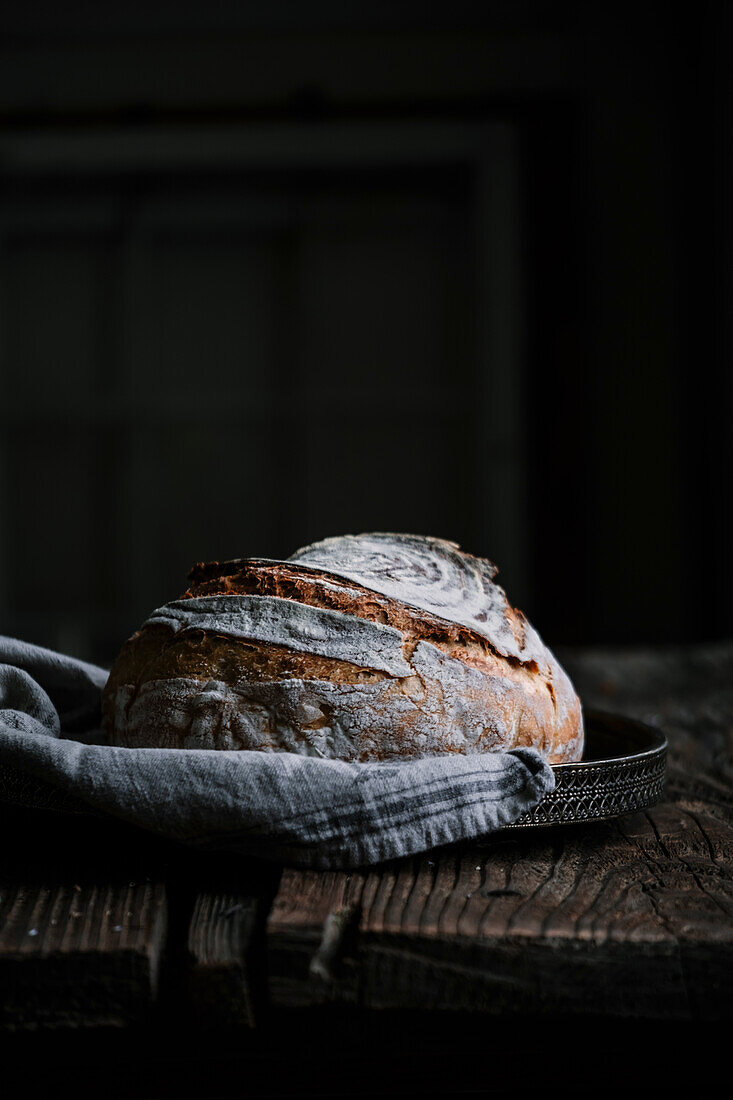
{"points": [[626, 918], [221, 980], [222, 912], [74, 954]]}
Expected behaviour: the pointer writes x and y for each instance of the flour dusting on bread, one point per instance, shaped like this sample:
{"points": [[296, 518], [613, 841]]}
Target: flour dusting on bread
{"points": [[434, 575], [364, 647]]}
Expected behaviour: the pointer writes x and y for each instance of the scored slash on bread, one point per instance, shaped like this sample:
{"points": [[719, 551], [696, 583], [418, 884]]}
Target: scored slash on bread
{"points": [[370, 647]]}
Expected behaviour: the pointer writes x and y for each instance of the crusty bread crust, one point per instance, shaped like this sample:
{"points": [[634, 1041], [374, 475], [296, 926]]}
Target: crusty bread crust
{"points": [[317, 589], [206, 688]]}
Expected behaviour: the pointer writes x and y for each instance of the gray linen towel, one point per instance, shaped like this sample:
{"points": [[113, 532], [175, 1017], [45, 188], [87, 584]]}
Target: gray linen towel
{"points": [[302, 810]]}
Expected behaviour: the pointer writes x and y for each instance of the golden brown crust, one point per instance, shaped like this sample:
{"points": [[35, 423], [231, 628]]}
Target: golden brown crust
{"points": [[531, 705], [315, 588]]}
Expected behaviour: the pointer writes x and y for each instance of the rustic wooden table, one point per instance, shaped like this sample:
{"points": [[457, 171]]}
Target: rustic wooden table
{"points": [[598, 954]]}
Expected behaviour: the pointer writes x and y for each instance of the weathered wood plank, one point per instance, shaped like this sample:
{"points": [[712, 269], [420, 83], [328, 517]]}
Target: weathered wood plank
{"points": [[222, 978], [83, 901], [223, 969], [84, 920], [79, 955], [626, 918]]}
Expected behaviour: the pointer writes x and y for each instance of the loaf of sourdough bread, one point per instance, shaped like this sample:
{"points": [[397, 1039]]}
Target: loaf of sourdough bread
{"points": [[363, 648]]}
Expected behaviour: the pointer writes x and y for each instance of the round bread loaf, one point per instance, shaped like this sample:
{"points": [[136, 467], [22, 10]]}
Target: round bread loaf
{"points": [[366, 647]]}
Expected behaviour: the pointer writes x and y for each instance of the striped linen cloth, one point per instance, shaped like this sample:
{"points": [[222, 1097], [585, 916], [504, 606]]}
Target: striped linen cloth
{"points": [[301, 810]]}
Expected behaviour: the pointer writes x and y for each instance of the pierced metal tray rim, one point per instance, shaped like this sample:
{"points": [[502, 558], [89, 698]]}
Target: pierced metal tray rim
{"points": [[591, 790]]}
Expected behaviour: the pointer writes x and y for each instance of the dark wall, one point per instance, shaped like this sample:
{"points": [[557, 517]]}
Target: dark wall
{"points": [[271, 272]]}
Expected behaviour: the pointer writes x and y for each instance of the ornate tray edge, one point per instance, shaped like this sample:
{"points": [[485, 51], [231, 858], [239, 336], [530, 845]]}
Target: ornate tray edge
{"points": [[593, 790]]}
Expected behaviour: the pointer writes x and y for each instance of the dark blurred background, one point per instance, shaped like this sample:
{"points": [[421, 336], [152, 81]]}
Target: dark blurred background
{"points": [[276, 271]]}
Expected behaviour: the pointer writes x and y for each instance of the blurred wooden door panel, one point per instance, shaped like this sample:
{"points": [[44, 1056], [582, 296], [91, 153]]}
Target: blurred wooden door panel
{"points": [[212, 365]]}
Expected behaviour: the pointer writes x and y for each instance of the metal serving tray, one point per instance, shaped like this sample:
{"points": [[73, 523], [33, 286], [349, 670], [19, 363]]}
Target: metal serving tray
{"points": [[622, 771]]}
